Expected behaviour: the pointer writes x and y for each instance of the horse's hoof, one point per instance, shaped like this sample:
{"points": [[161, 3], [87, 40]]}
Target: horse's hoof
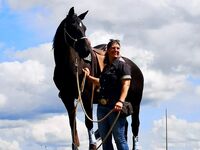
{"points": [[74, 147], [92, 147]]}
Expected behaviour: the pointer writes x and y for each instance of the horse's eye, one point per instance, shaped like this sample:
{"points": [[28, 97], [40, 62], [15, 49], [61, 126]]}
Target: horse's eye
{"points": [[80, 24]]}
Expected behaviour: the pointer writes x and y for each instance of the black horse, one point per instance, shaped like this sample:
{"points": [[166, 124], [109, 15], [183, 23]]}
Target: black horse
{"points": [[71, 50]]}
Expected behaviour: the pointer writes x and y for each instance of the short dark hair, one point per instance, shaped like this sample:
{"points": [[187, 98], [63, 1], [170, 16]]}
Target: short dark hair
{"points": [[111, 42]]}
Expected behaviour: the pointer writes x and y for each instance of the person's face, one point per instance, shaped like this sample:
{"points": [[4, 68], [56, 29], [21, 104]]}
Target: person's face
{"points": [[114, 51]]}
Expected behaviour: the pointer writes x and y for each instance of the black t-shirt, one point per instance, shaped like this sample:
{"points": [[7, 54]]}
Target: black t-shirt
{"points": [[110, 80]]}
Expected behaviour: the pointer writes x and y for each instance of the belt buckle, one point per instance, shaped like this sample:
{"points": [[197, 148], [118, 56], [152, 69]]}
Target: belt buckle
{"points": [[103, 101]]}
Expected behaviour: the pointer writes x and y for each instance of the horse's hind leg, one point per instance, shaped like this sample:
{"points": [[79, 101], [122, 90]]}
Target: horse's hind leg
{"points": [[69, 104], [135, 121]]}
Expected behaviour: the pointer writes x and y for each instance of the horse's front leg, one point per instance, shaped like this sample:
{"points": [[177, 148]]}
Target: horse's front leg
{"points": [[74, 133], [69, 104]]}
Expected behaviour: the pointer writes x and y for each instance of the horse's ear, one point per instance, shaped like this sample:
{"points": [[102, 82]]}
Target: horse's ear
{"points": [[71, 12], [82, 16]]}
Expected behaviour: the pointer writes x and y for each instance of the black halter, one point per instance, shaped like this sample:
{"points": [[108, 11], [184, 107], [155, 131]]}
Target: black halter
{"points": [[73, 39]]}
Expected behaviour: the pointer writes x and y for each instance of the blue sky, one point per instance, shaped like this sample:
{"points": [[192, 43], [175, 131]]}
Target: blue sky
{"points": [[13, 32], [160, 36]]}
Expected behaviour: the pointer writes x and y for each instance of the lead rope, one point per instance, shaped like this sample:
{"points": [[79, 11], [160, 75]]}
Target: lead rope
{"points": [[81, 102], [80, 98], [109, 130]]}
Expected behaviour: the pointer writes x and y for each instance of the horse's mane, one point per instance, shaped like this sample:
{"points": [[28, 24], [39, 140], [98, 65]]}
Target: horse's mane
{"points": [[58, 38]]}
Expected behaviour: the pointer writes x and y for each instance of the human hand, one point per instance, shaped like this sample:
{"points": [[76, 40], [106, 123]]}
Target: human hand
{"points": [[86, 71], [118, 106]]}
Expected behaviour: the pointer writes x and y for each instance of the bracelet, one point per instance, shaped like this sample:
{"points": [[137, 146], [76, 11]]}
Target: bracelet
{"points": [[121, 101]]}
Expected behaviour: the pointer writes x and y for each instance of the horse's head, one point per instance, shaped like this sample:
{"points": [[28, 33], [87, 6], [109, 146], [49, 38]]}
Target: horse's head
{"points": [[74, 33]]}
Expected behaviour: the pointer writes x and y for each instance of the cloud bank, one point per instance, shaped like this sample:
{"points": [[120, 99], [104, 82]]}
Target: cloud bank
{"points": [[160, 36]]}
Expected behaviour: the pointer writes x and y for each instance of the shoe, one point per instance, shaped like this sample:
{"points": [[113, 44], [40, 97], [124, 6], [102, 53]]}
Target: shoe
{"points": [[136, 144]]}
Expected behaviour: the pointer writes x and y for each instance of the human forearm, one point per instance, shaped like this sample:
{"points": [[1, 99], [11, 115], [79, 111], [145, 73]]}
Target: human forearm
{"points": [[94, 80], [124, 90]]}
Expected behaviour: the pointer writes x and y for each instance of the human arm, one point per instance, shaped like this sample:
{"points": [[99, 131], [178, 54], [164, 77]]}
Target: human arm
{"points": [[95, 80], [124, 92]]}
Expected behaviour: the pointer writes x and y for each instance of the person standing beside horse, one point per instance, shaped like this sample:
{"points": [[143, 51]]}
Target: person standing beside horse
{"points": [[114, 83]]}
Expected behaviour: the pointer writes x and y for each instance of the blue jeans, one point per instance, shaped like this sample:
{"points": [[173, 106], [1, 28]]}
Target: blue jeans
{"points": [[117, 131]]}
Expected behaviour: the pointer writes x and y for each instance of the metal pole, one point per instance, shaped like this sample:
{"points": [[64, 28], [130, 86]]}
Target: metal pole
{"points": [[166, 130]]}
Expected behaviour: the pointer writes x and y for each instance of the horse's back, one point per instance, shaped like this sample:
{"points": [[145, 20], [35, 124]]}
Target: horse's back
{"points": [[101, 47]]}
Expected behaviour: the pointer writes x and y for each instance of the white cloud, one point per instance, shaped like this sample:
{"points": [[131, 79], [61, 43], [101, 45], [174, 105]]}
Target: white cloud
{"points": [[142, 57], [189, 6], [8, 145], [52, 132], [103, 37], [23, 5], [42, 53], [181, 134], [198, 90], [28, 72], [160, 36], [143, 24], [28, 81], [2, 100], [159, 86]]}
